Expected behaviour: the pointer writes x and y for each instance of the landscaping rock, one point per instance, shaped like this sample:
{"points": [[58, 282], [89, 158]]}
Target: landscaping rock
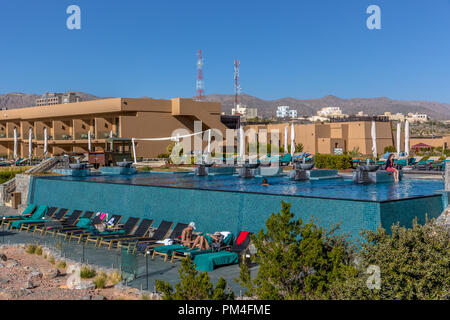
{"points": [[50, 273], [98, 298], [35, 276], [86, 297], [29, 284], [85, 285], [3, 257], [11, 263]]}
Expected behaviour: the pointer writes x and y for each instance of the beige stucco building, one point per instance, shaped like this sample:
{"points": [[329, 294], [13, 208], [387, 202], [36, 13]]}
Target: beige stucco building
{"points": [[332, 137], [68, 124]]}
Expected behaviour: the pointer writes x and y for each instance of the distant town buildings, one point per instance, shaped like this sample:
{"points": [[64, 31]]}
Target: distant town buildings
{"points": [[329, 112], [53, 98], [285, 112], [244, 112], [411, 117]]}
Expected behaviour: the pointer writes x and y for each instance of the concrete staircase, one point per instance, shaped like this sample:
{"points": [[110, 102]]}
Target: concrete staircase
{"points": [[7, 188]]}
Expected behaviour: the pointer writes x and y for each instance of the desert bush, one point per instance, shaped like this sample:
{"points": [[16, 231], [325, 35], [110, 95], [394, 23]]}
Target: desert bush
{"points": [[31, 249], [87, 272], [100, 280]]}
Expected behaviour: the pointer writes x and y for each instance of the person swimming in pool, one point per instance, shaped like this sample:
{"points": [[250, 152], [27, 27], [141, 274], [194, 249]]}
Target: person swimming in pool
{"points": [[390, 167], [265, 182]]}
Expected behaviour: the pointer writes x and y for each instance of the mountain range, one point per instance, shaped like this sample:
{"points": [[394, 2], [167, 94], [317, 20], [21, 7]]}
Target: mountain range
{"points": [[267, 108]]}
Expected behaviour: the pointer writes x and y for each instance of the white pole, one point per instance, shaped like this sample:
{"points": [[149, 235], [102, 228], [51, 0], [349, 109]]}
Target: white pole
{"points": [[45, 143], [15, 143], [407, 137], [134, 150], [374, 140], [241, 143], [286, 134], [292, 140], [30, 143], [399, 136], [89, 141], [209, 141]]}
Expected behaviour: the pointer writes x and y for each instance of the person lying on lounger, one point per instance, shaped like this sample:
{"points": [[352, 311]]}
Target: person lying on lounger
{"points": [[209, 241], [186, 235]]}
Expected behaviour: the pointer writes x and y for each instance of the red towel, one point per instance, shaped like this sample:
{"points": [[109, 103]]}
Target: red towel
{"points": [[242, 237]]}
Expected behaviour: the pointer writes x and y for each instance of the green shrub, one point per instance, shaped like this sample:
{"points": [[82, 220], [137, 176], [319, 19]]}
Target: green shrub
{"points": [[145, 296], [38, 251], [389, 149], [100, 280], [329, 161], [163, 155], [87, 272], [62, 264], [31, 249], [146, 168], [114, 278], [51, 259]]}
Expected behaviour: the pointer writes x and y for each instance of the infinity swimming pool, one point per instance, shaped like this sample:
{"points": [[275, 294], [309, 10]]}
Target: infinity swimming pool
{"points": [[342, 188], [231, 203]]}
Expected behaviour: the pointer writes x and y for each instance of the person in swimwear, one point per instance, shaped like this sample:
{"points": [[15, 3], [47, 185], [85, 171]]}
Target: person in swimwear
{"points": [[390, 166]]}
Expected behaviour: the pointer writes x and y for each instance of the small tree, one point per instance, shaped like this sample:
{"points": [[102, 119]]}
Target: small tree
{"points": [[296, 260], [414, 263], [194, 286]]}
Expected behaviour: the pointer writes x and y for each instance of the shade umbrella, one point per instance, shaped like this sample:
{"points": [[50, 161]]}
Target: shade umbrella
{"points": [[45, 142], [374, 139], [407, 137], [30, 143], [209, 142], [89, 141], [286, 134], [399, 129], [241, 143], [15, 143], [292, 140]]}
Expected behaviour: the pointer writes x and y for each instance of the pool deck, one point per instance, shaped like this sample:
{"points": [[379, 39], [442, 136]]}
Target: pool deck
{"points": [[103, 258]]}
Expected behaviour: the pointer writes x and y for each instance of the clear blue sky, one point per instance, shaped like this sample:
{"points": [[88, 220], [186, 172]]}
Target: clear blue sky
{"points": [[296, 48]]}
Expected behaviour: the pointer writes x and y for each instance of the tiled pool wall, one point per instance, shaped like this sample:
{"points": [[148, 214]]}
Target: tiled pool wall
{"points": [[223, 210]]}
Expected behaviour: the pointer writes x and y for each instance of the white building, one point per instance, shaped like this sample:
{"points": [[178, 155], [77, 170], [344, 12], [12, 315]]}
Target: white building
{"points": [[330, 112], [285, 112], [244, 112], [418, 117]]}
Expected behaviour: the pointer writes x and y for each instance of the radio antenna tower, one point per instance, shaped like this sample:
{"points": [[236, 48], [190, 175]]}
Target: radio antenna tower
{"points": [[200, 84], [237, 83]]}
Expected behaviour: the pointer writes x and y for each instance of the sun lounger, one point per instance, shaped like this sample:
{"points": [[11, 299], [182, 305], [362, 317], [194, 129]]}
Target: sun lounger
{"points": [[159, 234], [175, 236], [181, 253], [70, 221], [26, 214], [48, 219], [286, 159], [37, 215], [66, 231], [115, 219], [210, 261], [105, 237], [81, 231], [140, 233]]}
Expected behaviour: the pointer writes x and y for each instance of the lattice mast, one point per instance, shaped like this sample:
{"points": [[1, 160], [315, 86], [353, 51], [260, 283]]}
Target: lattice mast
{"points": [[200, 84], [237, 83]]}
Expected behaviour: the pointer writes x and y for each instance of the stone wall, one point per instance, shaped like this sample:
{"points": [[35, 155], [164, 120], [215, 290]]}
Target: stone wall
{"points": [[22, 186]]}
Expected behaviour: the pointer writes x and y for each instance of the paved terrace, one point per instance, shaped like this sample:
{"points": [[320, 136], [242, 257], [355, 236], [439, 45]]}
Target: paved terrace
{"points": [[104, 258]]}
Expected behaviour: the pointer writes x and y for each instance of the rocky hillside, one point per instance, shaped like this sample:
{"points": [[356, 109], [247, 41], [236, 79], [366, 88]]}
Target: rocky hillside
{"points": [[22, 100], [308, 107], [267, 108]]}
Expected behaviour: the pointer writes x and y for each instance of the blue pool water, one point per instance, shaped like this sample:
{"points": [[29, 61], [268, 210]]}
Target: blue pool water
{"points": [[342, 188], [224, 202]]}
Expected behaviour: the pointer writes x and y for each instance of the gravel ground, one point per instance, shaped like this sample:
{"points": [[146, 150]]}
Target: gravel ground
{"points": [[25, 276]]}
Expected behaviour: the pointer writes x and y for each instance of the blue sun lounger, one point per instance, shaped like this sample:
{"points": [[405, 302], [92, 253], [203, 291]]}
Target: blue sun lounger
{"points": [[37, 216], [210, 261]]}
